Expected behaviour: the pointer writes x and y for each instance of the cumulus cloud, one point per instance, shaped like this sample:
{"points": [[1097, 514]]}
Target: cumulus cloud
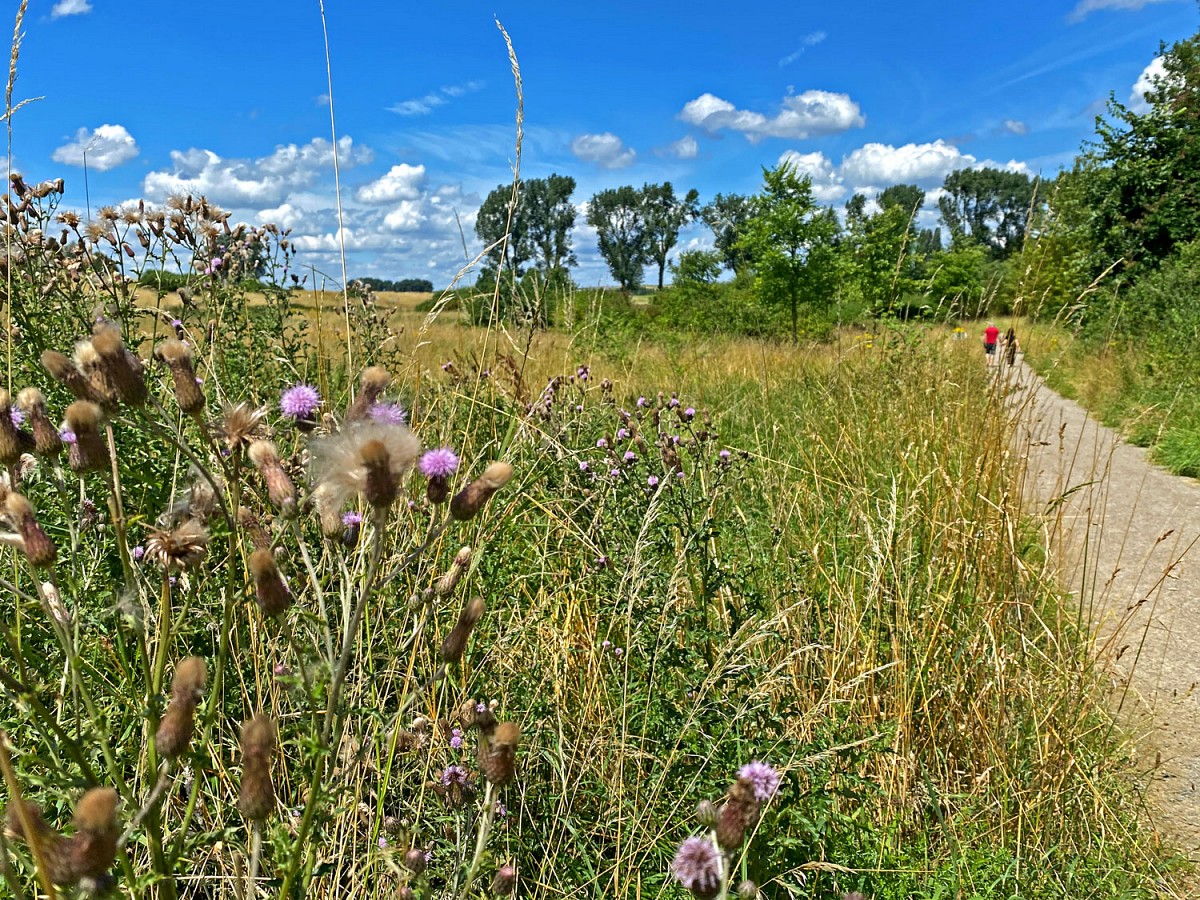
{"points": [[604, 150], [685, 148], [810, 114], [1015, 126], [1146, 82], [402, 182], [252, 183], [70, 8], [809, 40], [420, 106], [1086, 7], [827, 183], [102, 149]]}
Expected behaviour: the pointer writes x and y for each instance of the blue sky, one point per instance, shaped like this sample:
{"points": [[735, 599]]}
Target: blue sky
{"points": [[231, 100]]}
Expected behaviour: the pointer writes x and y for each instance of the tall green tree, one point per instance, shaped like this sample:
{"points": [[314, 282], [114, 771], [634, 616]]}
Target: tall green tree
{"points": [[538, 226], [1140, 180], [882, 259], [988, 207], [619, 217], [665, 215], [793, 243], [907, 197], [727, 215]]}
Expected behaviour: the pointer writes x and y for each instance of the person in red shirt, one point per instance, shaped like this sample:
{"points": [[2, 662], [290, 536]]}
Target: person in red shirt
{"points": [[991, 335]]}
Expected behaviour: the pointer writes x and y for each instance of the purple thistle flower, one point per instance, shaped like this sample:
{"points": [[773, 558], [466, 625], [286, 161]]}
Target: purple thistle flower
{"points": [[501, 810], [177, 324], [724, 454], [67, 436], [17, 416], [673, 402], [138, 552], [689, 413], [618, 652], [350, 519], [630, 456], [583, 466], [622, 433], [456, 738], [388, 414], [602, 443], [299, 401], [481, 707], [454, 775], [697, 866], [605, 644], [615, 473], [439, 463], [652, 481], [447, 366], [762, 777], [641, 402], [383, 842]]}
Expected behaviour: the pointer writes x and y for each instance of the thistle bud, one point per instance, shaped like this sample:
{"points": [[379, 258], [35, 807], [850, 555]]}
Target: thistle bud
{"points": [[505, 881], [498, 754], [177, 725], [46, 441], [445, 585], [12, 441], [259, 539], [38, 547], [64, 369], [471, 499], [373, 382], [123, 371], [94, 844], [256, 800], [87, 452], [455, 643], [280, 489], [270, 589], [178, 358], [747, 890], [739, 813], [706, 813], [414, 861]]}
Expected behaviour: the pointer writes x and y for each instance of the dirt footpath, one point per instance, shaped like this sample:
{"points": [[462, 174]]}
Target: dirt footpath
{"points": [[1128, 541]]}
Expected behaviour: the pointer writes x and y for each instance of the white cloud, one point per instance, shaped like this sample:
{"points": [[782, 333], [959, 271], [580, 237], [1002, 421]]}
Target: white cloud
{"points": [[605, 150], [402, 182], [809, 40], [1146, 82], [101, 149], [1085, 7], [685, 148], [255, 183], [922, 164], [1015, 126], [810, 114], [827, 184], [420, 106], [70, 8]]}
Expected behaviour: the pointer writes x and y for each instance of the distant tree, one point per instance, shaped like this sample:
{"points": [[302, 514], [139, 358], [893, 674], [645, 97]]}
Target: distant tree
{"points": [[907, 197], [792, 242], [665, 215], [404, 285], [727, 215], [619, 217], [538, 226], [882, 259], [988, 207], [696, 267], [505, 231], [856, 210]]}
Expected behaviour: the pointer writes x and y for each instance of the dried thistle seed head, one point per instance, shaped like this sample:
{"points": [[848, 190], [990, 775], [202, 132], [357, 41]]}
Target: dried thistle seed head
{"points": [[10, 438], [471, 499], [178, 548], [381, 486], [187, 684], [88, 361], [340, 466], [270, 589], [240, 426], [178, 358], [256, 799], [373, 382], [265, 457], [498, 754], [63, 369], [46, 441], [747, 890], [55, 848], [38, 547], [86, 448], [175, 730], [445, 585], [123, 371], [94, 845], [739, 813], [259, 539], [505, 881], [455, 643]]}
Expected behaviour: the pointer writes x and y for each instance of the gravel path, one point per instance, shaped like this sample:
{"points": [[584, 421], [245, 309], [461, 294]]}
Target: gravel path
{"points": [[1127, 535]]}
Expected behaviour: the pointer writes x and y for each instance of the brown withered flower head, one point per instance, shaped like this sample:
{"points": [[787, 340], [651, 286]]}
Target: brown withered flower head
{"points": [[178, 548], [270, 589], [178, 358], [64, 370], [13, 441], [86, 450], [36, 544], [265, 457], [455, 643], [240, 426], [46, 440], [470, 500], [87, 361], [371, 384], [497, 754], [256, 799], [123, 371], [54, 847], [178, 722], [94, 844]]}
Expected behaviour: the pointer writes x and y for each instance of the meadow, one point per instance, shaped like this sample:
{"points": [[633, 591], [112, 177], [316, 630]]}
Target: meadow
{"points": [[687, 615]]}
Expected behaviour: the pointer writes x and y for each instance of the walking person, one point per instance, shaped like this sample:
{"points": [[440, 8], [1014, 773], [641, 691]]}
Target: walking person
{"points": [[991, 335], [1010, 346]]}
